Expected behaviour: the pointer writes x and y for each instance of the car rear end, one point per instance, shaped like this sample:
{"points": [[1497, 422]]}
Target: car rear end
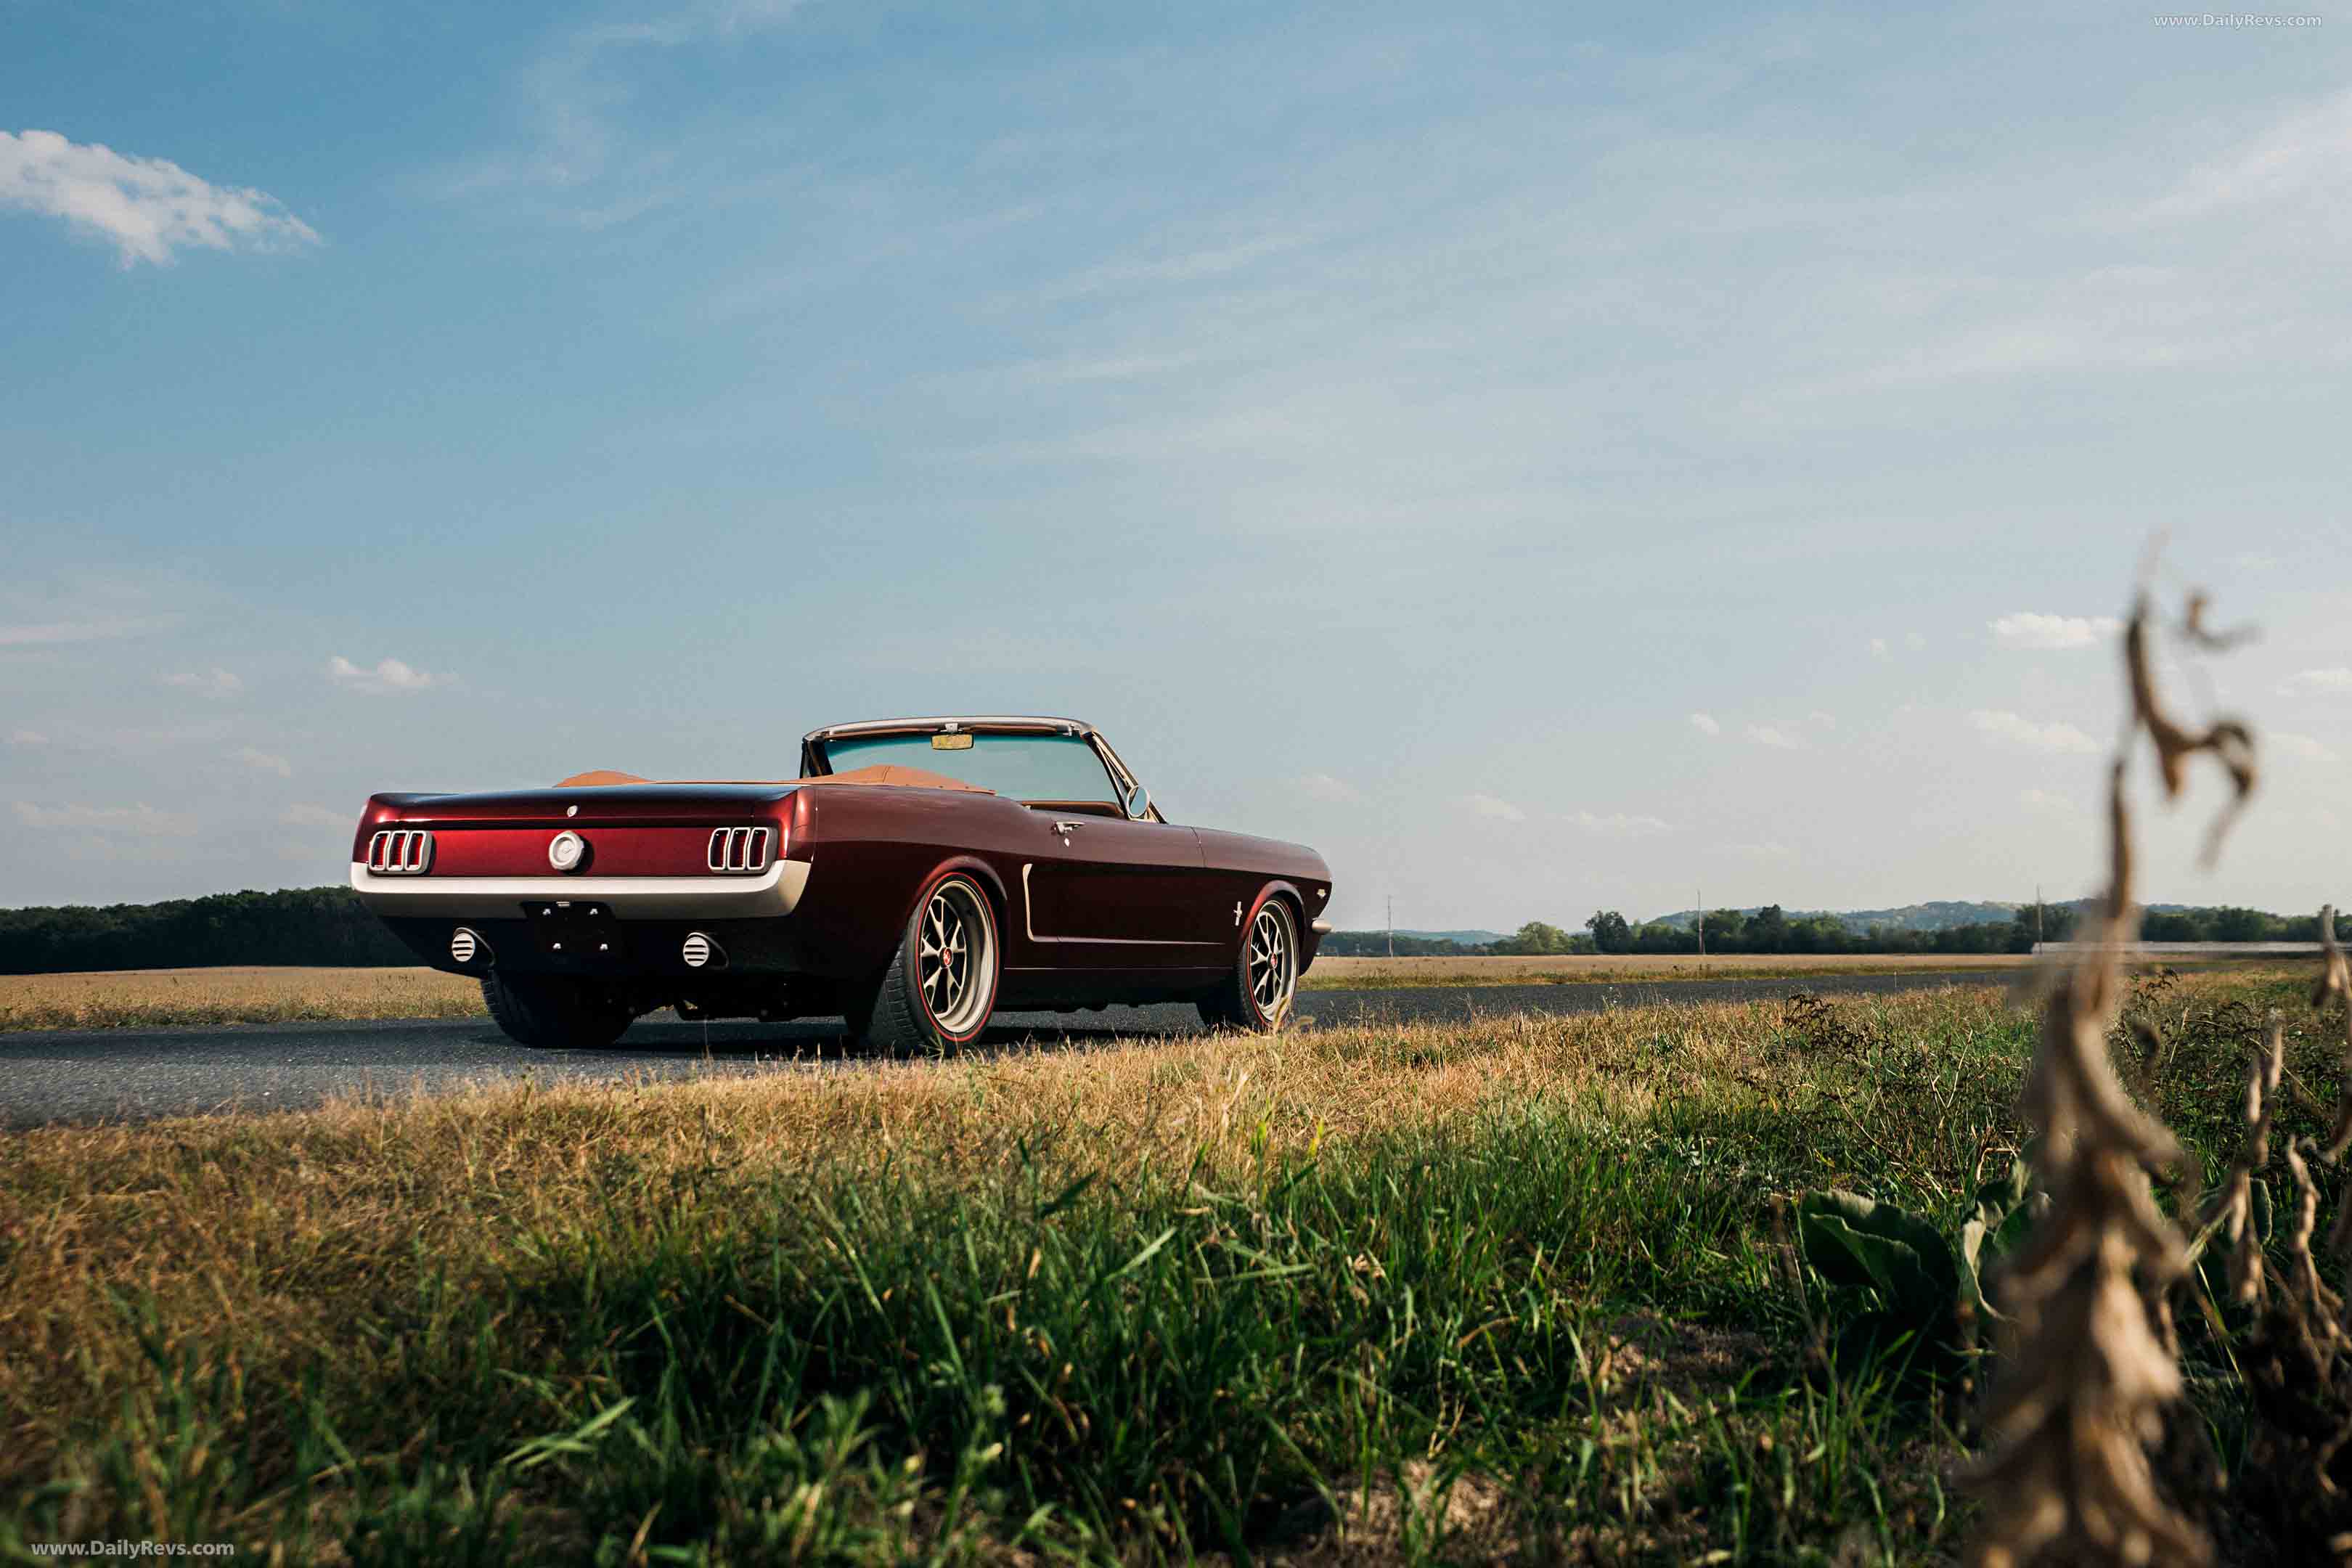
{"points": [[649, 895]]}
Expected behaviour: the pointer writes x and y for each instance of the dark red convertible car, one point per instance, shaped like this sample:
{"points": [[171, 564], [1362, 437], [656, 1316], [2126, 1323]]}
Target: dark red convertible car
{"points": [[920, 875]]}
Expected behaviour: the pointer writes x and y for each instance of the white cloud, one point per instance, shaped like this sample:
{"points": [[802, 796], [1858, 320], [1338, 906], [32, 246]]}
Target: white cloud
{"points": [[1772, 735], [2029, 629], [1878, 647], [80, 631], [1705, 724], [2044, 800], [1487, 806], [1770, 849], [1915, 641], [27, 738], [1327, 790], [1825, 719], [316, 816], [1618, 825], [148, 206], [2302, 747], [265, 761], [2335, 679], [214, 683], [142, 819], [389, 675], [2300, 157], [2051, 737], [2325, 819]]}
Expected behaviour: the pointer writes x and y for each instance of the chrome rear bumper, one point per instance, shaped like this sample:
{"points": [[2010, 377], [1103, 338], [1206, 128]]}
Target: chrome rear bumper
{"points": [[775, 891]]}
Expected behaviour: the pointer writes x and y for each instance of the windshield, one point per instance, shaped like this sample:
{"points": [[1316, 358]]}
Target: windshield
{"points": [[1020, 767]]}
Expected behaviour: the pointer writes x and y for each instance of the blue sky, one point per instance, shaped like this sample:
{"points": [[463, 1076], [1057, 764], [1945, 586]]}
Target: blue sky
{"points": [[1547, 458]]}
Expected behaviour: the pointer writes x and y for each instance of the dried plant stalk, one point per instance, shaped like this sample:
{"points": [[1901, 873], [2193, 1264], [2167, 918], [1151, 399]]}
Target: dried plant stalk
{"points": [[2229, 739], [2335, 985], [2082, 1395], [2232, 1213]]}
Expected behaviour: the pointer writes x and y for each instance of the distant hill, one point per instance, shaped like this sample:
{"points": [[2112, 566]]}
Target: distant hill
{"points": [[1937, 914], [1406, 944], [1466, 938]]}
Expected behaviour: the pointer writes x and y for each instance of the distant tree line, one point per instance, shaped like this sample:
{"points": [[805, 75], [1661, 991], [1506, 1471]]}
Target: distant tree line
{"points": [[299, 925], [1773, 930], [330, 926]]}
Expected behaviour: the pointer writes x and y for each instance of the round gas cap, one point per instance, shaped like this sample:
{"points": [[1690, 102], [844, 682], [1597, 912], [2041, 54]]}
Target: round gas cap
{"points": [[567, 851]]}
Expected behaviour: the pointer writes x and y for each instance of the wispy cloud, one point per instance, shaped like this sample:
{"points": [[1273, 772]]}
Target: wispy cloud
{"points": [[27, 738], [148, 207], [2335, 679], [44, 633], [388, 675], [1774, 736], [214, 683], [2304, 748], [576, 87], [2029, 629], [1618, 825], [1490, 806], [2062, 737], [142, 820], [2298, 158], [1328, 790], [2044, 800], [262, 761], [1705, 724], [1770, 849], [317, 817]]}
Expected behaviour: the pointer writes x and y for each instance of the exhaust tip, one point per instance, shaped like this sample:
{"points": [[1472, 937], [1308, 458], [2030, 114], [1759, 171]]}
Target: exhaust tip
{"points": [[700, 951], [465, 944]]}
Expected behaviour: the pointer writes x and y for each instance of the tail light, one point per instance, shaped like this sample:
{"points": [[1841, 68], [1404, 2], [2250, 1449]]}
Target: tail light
{"points": [[740, 851], [400, 852]]}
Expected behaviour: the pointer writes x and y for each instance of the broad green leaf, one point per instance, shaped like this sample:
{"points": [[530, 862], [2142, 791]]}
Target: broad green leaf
{"points": [[1851, 1240]]}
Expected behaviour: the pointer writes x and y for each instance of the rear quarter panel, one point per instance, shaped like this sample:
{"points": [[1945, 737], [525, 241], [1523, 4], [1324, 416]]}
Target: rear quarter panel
{"points": [[873, 847]]}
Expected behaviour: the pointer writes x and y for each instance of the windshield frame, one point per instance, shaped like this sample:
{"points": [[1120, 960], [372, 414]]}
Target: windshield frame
{"points": [[816, 758]]}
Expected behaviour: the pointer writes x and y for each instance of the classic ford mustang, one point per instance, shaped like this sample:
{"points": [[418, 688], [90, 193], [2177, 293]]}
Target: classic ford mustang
{"points": [[919, 875]]}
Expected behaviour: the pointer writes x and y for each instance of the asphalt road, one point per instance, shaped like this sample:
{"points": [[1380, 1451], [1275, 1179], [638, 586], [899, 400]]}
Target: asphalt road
{"points": [[94, 1075]]}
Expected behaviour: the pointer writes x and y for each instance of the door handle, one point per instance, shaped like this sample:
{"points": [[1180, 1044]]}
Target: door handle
{"points": [[1067, 829]]}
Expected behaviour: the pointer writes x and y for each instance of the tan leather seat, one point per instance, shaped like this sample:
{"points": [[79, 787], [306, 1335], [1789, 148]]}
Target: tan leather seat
{"points": [[880, 774]]}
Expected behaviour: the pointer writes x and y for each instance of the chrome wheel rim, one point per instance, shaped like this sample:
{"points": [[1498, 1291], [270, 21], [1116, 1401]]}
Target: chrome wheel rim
{"points": [[1272, 960], [957, 960]]}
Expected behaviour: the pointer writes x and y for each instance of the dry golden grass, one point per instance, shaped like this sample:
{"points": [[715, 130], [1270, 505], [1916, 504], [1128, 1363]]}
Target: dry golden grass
{"points": [[291, 1226], [153, 998], [1569, 969], [148, 998]]}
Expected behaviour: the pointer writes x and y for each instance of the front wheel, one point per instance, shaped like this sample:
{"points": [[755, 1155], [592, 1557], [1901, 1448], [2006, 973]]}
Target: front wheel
{"points": [[940, 987], [550, 1013], [1258, 995]]}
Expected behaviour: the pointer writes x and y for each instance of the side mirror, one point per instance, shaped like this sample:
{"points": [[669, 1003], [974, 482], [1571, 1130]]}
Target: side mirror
{"points": [[1139, 803]]}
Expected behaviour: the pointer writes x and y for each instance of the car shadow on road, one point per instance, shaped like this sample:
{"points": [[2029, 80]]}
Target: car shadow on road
{"points": [[815, 1041]]}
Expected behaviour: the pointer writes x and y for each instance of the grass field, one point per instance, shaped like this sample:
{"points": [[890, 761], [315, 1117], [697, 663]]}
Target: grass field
{"points": [[1512, 1289], [152, 998], [149, 998], [1575, 969]]}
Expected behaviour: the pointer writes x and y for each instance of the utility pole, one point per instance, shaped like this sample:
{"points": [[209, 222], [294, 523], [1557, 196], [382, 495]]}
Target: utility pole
{"points": [[1701, 922], [1392, 925], [2037, 915]]}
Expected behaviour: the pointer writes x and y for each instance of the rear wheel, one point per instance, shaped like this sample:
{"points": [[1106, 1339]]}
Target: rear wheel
{"points": [[550, 1013], [1256, 995], [941, 986]]}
